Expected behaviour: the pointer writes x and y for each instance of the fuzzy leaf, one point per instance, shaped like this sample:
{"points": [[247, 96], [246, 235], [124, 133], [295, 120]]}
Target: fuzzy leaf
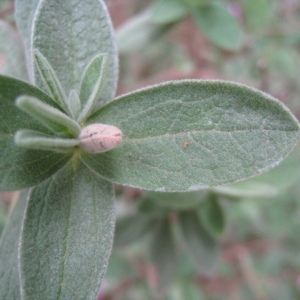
{"points": [[131, 228], [24, 15], [191, 135], [12, 58], [163, 254], [91, 84], [178, 201], [251, 188], [139, 32], [212, 216], [9, 246], [32, 139], [201, 247], [21, 168], [50, 116], [50, 80], [67, 235], [70, 34], [74, 104], [218, 25], [167, 11], [268, 184]]}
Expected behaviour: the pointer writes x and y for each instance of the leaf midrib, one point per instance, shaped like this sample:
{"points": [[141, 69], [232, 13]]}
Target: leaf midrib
{"points": [[213, 131]]}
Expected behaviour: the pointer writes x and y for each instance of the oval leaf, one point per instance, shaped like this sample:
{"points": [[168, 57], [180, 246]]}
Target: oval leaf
{"points": [[9, 247], [50, 80], [167, 11], [24, 15], [178, 201], [191, 135], [91, 85], [79, 30], [21, 168], [131, 228], [12, 58], [51, 117], [163, 254], [212, 216], [267, 185], [218, 25], [67, 236], [139, 32], [36, 140], [201, 247], [247, 189]]}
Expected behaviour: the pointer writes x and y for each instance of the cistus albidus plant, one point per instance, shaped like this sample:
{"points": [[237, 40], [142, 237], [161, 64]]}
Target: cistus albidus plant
{"points": [[64, 136]]}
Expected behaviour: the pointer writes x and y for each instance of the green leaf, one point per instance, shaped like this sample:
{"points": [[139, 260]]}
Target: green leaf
{"points": [[74, 104], [21, 168], [266, 185], [12, 58], [131, 228], [190, 135], [163, 254], [91, 85], [70, 34], [285, 175], [247, 189], [218, 25], [24, 15], [178, 201], [3, 216], [212, 216], [149, 207], [139, 32], [67, 235], [9, 247], [257, 13], [168, 11], [36, 140], [50, 80], [50, 116], [201, 247]]}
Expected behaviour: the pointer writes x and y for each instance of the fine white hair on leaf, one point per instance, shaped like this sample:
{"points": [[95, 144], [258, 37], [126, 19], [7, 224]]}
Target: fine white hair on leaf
{"points": [[99, 138]]}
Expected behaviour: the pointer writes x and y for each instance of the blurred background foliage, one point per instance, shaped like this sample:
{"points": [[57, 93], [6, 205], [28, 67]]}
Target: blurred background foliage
{"points": [[239, 241]]}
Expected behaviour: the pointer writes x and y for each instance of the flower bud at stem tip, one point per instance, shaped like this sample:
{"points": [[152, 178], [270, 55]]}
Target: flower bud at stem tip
{"points": [[99, 138]]}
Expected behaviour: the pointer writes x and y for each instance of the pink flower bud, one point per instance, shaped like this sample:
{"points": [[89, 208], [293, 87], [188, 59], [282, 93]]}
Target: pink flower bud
{"points": [[98, 138]]}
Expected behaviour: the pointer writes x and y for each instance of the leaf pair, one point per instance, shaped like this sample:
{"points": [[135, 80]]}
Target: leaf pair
{"points": [[55, 120]]}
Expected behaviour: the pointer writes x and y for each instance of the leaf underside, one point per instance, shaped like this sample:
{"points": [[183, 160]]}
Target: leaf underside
{"points": [[191, 135]]}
